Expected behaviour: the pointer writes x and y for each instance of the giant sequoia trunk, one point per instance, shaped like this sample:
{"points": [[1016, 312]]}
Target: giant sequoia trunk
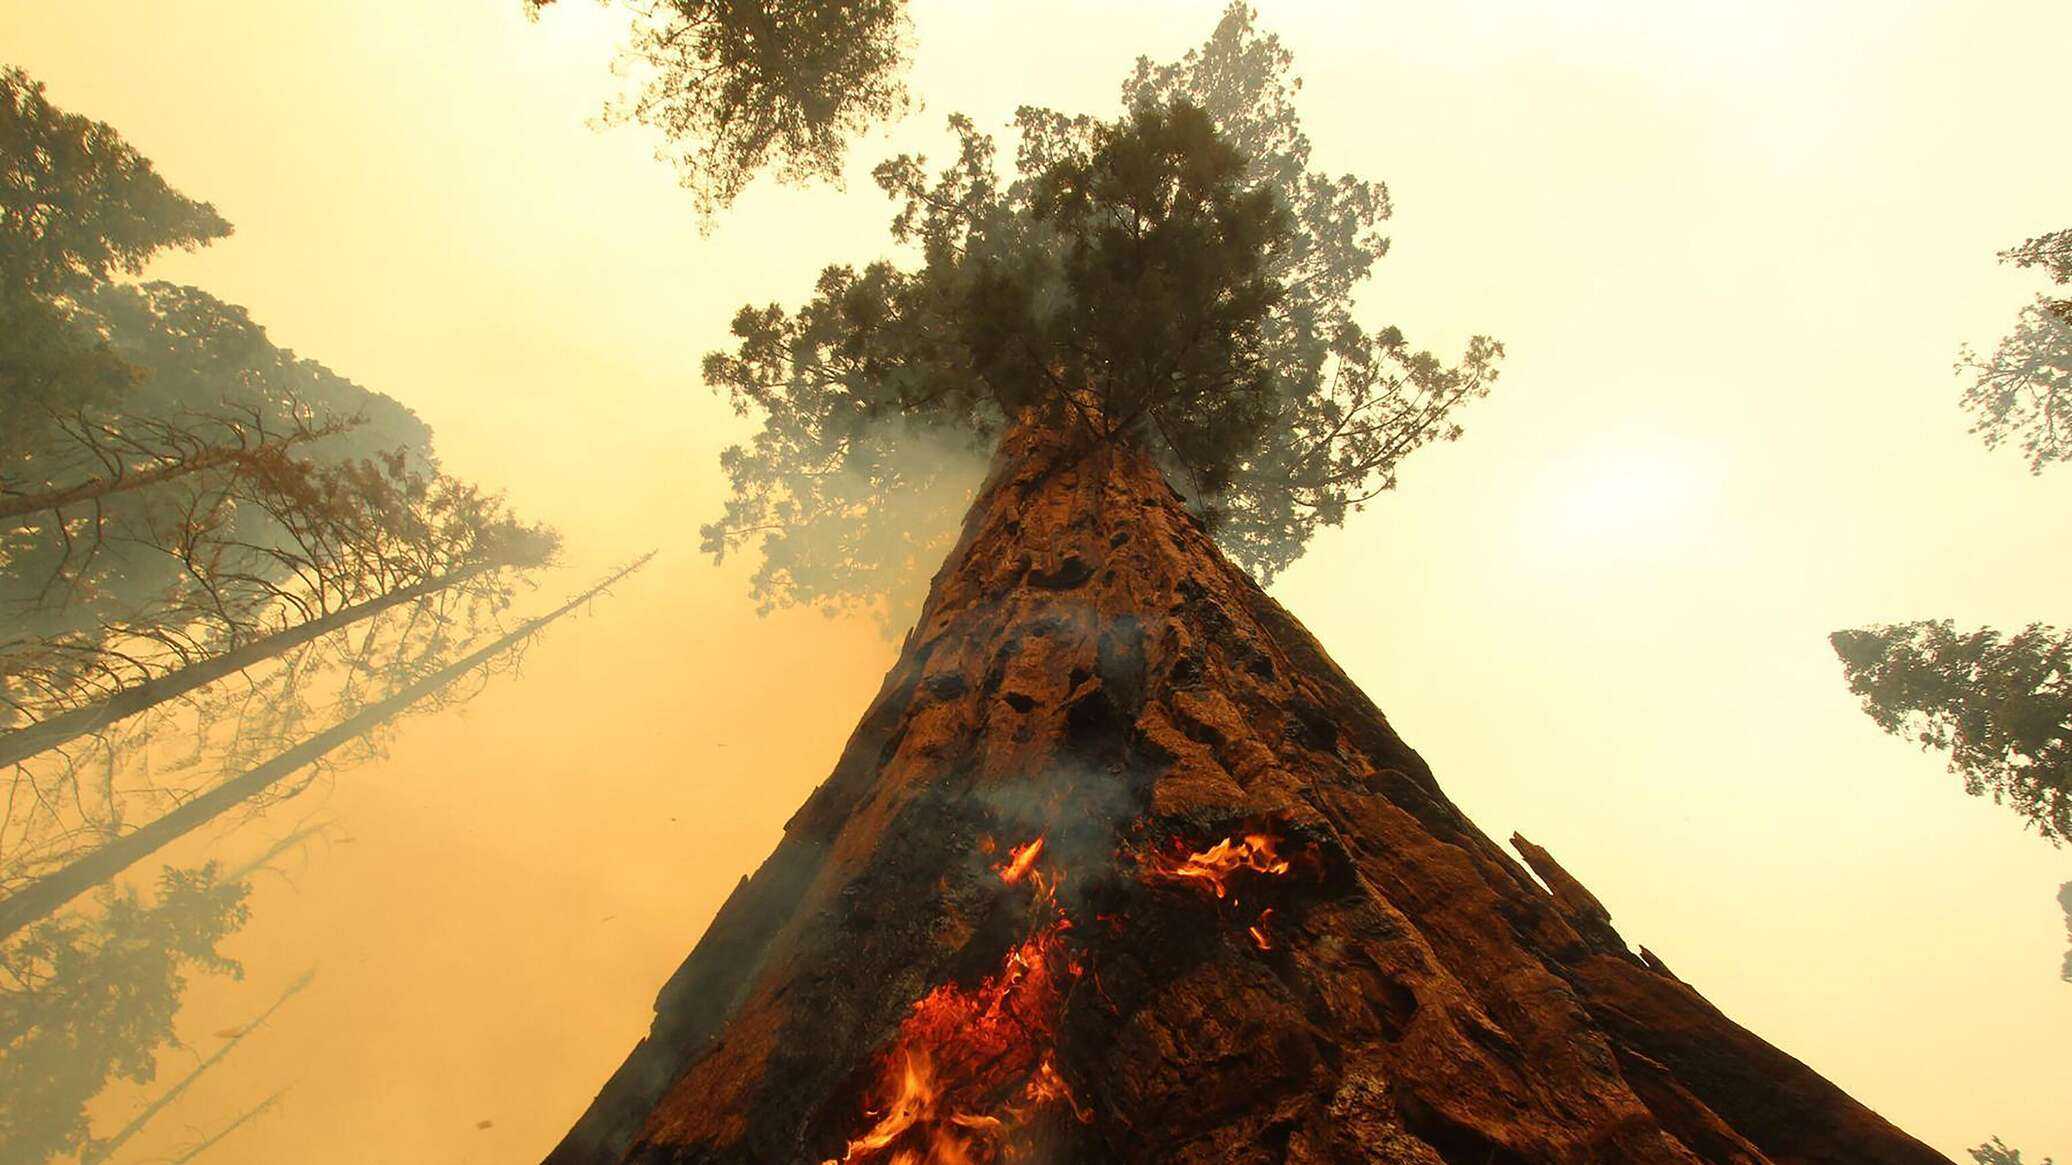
{"points": [[1120, 867]]}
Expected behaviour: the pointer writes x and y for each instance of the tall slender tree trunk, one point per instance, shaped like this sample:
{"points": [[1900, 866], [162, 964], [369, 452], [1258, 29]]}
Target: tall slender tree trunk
{"points": [[1255, 930], [70, 725], [47, 894]]}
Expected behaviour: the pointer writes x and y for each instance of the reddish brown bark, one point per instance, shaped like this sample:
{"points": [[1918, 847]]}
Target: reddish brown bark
{"points": [[1089, 669]]}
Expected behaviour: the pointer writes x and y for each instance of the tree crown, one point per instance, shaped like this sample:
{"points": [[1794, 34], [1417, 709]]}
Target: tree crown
{"points": [[1177, 276], [78, 204], [2000, 706], [739, 86]]}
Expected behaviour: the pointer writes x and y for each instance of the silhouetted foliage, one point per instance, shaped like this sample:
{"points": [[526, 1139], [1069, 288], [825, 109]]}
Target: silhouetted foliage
{"points": [[2023, 391], [1996, 1152], [2001, 706], [87, 999], [1177, 277], [78, 205], [49, 892], [187, 510], [739, 86], [2065, 903]]}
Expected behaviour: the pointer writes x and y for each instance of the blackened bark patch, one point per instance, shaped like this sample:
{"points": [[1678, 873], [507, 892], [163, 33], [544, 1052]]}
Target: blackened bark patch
{"points": [[1071, 572]]}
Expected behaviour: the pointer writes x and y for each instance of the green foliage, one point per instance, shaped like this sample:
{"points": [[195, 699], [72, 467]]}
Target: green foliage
{"points": [[1996, 1152], [738, 86], [78, 206], [1176, 277], [2000, 706], [85, 1000], [2023, 391], [77, 203]]}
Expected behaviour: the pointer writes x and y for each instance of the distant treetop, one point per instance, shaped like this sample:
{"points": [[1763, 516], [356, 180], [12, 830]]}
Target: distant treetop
{"points": [[2022, 392], [78, 205], [740, 86], [2000, 705]]}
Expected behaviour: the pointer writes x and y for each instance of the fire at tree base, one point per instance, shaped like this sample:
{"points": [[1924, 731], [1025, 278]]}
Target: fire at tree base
{"points": [[1120, 867]]}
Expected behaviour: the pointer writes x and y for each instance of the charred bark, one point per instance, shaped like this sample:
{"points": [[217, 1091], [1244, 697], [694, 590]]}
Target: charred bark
{"points": [[1256, 930]]}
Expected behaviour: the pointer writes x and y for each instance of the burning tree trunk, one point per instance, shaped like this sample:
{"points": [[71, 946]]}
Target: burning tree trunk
{"points": [[1119, 866]]}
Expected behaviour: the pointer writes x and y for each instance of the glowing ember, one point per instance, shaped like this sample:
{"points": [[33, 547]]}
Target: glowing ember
{"points": [[971, 1065], [1213, 867], [1258, 930]]}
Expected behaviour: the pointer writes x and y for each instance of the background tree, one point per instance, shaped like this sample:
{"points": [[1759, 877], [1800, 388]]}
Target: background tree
{"points": [[1996, 1152], [87, 999], [1177, 277], [739, 86], [2023, 391], [183, 501], [2000, 706], [82, 871]]}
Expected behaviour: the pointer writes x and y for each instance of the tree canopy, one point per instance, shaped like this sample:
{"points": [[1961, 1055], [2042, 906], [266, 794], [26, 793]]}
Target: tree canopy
{"points": [[87, 999], [740, 86], [1178, 277], [2001, 706], [1996, 1152], [79, 205], [2022, 392]]}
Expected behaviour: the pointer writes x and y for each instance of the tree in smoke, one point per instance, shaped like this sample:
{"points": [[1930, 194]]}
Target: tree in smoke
{"points": [[2022, 392], [87, 999], [78, 204], [2000, 706], [1996, 1152], [215, 502], [341, 544], [739, 86], [1177, 278]]}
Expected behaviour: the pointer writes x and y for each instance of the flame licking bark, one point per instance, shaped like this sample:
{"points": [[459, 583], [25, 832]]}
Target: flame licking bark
{"points": [[1214, 868], [1217, 869], [972, 1065], [1020, 861]]}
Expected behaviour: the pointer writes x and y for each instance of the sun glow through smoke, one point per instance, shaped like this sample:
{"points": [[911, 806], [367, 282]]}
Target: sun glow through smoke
{"points": [[1630, 497]]}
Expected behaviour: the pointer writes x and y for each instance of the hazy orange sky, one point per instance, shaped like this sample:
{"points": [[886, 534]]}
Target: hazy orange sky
{"points": [[1733, 251]]}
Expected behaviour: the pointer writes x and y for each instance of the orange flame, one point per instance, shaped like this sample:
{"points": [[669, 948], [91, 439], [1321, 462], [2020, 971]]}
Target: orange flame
{"points": [[1214, 866], [970, 1065], [1019, 861]]}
